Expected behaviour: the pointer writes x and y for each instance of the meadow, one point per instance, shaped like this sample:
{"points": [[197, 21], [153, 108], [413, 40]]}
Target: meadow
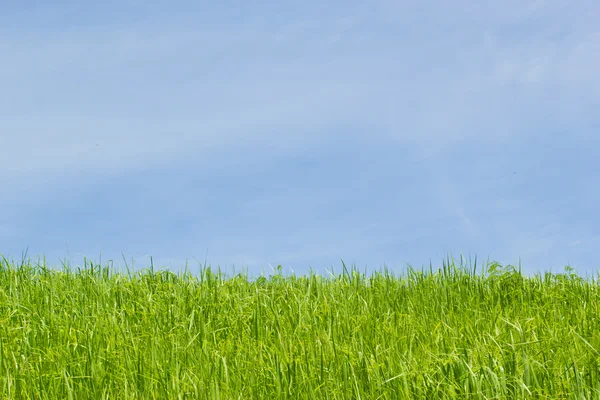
{"points": [[477, 332]]}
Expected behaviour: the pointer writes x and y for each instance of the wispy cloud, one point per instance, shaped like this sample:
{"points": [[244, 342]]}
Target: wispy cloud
{"points": [[387, 131]]}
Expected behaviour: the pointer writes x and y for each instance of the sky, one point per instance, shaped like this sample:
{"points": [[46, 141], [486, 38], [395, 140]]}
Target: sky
{"points": [[246, 135]]}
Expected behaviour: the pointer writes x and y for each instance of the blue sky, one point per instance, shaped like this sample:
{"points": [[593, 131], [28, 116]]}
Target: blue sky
{"points": [[301, 133]]}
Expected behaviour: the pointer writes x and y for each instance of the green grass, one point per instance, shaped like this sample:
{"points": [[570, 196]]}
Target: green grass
{"points": [[448, 333]]}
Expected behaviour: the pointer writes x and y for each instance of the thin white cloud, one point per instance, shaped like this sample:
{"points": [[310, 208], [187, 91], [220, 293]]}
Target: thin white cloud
{"points": [[88, 116], [270, 88], [131, 96]]}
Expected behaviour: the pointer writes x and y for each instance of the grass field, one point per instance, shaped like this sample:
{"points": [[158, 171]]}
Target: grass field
{"points": [[452, 332]]}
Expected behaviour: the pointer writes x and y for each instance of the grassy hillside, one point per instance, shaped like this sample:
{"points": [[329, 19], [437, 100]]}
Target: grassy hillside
{"points": [[448, 333]]}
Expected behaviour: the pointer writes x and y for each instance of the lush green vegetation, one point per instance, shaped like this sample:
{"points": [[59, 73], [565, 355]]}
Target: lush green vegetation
{"points": [[449, 333]]}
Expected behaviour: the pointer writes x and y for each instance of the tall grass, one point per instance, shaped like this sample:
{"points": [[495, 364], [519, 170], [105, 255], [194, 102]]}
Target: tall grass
{"points": [[447, 333]]}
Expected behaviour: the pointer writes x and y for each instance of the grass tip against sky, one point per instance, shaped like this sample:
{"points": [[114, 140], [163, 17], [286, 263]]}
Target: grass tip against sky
{"points": [[301, 133]]}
